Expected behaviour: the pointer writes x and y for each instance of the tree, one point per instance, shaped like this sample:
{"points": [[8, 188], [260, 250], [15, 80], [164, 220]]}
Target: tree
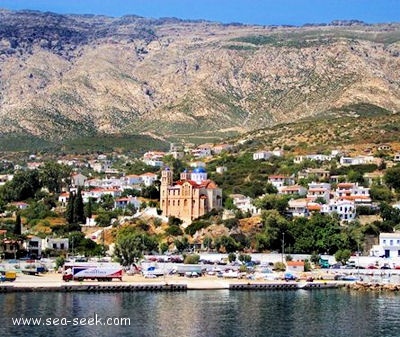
{"points": [[163, 247], [192, 259], [78, 208], [150, 192], [174, 230], [207, 242], [272, 202], [103, 219], [261, 242], [88, 209], [392, 177], [355, 176], [128, 246], [232, 257], [53, 176], [24, 185], [343, 255], [244, 258], [182, 245], [69, 212], [379, 192], [228, 243], [228, 204], [18, 224], [107, 202]]}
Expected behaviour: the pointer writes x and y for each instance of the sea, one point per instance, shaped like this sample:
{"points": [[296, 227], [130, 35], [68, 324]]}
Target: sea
{"points": [[201, 313]]}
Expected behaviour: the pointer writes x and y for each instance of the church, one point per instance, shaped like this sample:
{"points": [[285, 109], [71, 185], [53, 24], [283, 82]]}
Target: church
{"points": [[191, 197]]}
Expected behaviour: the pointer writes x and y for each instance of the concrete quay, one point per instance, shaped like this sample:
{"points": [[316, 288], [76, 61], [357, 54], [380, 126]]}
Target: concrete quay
{"points": [[53, 283]]}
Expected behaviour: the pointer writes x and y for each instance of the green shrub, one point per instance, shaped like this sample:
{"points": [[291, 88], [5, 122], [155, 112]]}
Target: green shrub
{"points": [[279, 266], [192, 259]]}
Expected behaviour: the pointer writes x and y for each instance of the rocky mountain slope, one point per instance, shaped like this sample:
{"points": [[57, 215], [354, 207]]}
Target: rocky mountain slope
{"points": [[64, 76]]}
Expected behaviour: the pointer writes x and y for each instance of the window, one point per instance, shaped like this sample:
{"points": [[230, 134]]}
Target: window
{"points": [[391, 242], [384, 241]]}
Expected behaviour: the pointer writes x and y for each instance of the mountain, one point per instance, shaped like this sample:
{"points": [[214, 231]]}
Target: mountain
{"points": [[68, 76]]}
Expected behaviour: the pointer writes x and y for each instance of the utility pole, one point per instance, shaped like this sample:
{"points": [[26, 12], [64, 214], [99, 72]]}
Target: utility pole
{"points": [[283, 245]]}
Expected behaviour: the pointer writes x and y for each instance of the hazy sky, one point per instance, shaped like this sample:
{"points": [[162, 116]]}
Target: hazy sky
{"points": [[265, 12]]}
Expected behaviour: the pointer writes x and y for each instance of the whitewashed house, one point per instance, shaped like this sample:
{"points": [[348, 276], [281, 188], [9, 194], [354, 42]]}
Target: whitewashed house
{"points": [[58, 244], [262, 155], [389, 245], [148, 178], [345, 209], [244, 203]]}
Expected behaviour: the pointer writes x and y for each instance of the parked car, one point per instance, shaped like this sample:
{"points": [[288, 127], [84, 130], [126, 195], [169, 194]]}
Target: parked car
{"points": [[372, 266], [289, 277]]}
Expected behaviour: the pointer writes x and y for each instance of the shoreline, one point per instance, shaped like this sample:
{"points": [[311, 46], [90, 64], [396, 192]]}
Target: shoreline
{"points": [[54, 283]]}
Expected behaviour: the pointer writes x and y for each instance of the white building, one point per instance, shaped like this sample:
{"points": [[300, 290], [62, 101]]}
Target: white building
{"points": [[221, 169], [360, 160], [262, 155], [33, 245], [148, 178], [319, 190], [59, 244], [243, 203], [353, 192], [345, 209], [154, 162], [298, 207], [280, 180], [389, 245]]}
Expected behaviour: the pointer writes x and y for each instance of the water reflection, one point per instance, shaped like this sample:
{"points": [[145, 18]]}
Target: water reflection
{"points": [[210, 313]]}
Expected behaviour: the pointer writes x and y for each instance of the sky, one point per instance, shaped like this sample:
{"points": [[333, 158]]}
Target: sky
{"points": [[262, 12]]}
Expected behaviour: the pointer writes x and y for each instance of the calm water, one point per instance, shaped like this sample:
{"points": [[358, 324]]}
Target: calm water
{"points": [[330, 313]]}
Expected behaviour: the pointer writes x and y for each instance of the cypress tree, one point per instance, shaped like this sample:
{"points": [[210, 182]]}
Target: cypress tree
{"points": [[17, 227], [88, 209], [79, 209], [69, 212]]}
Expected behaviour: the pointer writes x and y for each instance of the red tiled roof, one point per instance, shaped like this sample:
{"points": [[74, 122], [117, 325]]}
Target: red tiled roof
{"points": [[295, 263]]}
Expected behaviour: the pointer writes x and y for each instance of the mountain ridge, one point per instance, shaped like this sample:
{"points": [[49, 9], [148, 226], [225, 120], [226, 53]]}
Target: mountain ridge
{"points": [[64, 76]]}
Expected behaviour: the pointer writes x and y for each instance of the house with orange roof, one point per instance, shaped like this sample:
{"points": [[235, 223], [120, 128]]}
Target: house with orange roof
{"points": [[124, 202], [319, 190], [20, 204], [353, 191], [295, 266], [63, 198], [293, 190]]}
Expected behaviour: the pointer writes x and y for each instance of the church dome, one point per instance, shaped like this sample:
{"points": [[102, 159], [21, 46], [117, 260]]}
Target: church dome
{"points": [[199, 170]]}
